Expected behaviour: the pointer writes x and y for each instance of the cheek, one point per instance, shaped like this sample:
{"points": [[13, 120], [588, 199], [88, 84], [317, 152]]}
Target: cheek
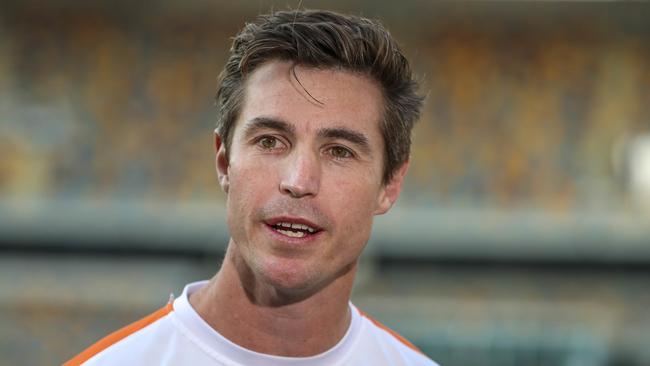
{"points": [[355, 205], [358, 195], [247, 185]]}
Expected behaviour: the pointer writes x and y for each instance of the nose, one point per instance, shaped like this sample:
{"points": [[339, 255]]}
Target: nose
{"points": [[301, 176]]}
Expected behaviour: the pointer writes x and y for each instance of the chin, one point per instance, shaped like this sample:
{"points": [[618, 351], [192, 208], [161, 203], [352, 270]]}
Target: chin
{"points": [[291, 281], [289, 276]]}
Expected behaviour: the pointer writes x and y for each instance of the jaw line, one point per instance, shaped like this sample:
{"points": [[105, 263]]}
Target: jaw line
{"points": [[260, 291]]}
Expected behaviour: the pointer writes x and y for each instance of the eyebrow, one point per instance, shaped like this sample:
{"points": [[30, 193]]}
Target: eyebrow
{"points": [[259, 123], [343, 133], [354, 137]]}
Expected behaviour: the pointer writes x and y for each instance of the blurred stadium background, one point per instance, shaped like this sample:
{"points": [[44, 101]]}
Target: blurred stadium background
{"points": [[522, 237]]}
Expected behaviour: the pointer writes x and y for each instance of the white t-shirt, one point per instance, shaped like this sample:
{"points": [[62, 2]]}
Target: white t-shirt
{"points": [[177, 335]]}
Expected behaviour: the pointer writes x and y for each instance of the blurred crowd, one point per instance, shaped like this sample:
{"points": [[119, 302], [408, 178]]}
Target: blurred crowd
{"points": [[529, 117], [94, 109], [515, 116]]}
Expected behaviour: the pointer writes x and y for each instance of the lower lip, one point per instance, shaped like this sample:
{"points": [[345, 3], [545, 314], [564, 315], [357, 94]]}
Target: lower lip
{"points": [[293, 240]]}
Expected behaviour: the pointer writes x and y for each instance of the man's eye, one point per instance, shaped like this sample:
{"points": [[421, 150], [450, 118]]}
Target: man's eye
{"points": [[268, 142], [339, 152]]}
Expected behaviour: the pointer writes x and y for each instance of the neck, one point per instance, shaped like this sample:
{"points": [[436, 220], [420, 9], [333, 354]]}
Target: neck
{"points": [[260, 318]]}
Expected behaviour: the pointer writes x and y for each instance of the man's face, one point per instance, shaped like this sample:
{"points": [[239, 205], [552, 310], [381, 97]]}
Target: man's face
{"points": [[303, 174]]}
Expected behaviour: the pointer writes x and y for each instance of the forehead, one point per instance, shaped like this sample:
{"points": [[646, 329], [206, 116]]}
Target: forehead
{"points": [[313, 98]]}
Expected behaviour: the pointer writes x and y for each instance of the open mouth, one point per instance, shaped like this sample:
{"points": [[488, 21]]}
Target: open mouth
{"points": [[293, 230]]}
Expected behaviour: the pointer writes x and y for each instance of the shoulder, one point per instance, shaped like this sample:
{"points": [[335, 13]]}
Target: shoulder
{"points": [[126, 339], [393, 348]]}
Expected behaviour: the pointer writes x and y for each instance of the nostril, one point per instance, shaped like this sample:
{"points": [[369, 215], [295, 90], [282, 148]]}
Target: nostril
{"points": [[294, 190]]}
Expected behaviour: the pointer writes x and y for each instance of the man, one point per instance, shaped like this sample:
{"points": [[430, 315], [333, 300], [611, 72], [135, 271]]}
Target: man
{"points": [[312, 141]]}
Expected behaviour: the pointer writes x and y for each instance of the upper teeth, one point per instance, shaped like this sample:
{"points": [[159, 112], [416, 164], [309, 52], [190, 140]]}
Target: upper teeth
{"points": [[296, 226]]}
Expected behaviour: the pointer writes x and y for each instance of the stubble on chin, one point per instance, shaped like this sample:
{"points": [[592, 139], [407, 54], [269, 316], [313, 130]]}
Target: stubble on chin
{"points": [[270, 284]]}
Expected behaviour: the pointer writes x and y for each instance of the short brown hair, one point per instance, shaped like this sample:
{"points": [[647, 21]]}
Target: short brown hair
{"points": [[325, 39]]}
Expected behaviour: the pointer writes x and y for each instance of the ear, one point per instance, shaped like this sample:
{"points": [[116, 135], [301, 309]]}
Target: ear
{"points": [[390, 191], [221, 162]]}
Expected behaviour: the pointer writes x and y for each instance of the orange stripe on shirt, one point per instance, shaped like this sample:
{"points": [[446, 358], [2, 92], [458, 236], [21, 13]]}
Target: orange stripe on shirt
{"points": [[392, 332], [118, 335]]}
